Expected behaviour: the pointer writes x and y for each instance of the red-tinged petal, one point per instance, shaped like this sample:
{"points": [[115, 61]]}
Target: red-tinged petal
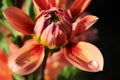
{"points": [[27, 59], [3, 57], [81, 26], [64, 4], [5, 73], [41, 4], [53, 36], [85, 56], [52, 3], [40, 25], [78, 7], [19, 20]]}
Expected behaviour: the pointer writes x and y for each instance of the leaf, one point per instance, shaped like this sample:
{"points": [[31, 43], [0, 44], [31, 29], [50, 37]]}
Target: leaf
{"points": [[18, 77], [3, 5], [29, 8], [71, 73], [3, 44], [5, 23]]}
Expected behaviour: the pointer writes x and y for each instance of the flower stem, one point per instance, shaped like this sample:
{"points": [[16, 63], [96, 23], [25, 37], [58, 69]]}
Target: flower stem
{"points": [[44, 64]]}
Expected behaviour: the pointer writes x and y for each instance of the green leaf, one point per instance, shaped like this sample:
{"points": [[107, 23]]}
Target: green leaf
{"points": [[3, 5], [29, 8], [71, 73], [5, 23], [3, 44], [18, 77]]}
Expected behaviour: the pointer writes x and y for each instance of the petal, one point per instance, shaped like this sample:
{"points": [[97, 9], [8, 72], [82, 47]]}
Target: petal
{"points": [[19, 20], [27, 59], [3, 57], [40, 25], [41, 4], [78, 7], [5, 73], [55, 63], [52, 3], [53, 36], [64, 4], [85, 56], [82, 25]]}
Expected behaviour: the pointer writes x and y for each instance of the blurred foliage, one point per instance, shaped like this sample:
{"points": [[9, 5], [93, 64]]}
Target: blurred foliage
{"points": [[3, 43], [18, 77], [71, 73], [3, 5]]}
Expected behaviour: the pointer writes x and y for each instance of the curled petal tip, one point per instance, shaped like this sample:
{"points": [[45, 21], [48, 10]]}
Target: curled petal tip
{"points": [[19, 20], [89, 20]]}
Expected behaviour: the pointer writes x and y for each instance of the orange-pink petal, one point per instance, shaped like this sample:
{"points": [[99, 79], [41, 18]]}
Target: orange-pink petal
{"points": [[85, 56], [78, 7], [55, 63], [19, 20], [5, 73], [27, 59], [82, 25]]}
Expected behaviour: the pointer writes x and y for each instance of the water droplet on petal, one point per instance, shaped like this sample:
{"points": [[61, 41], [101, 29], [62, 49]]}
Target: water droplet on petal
{"points": [[26, 61], [93, 65]]}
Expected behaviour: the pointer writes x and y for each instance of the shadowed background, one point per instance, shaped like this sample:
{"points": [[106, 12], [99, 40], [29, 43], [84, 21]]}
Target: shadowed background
{"points": [[108, 38]]}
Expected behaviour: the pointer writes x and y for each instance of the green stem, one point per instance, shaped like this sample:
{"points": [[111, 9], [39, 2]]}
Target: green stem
{"points": [[44, 64]]}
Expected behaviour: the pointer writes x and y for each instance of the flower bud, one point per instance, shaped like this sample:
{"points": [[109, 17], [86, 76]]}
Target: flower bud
{"points": [[53, 27]]}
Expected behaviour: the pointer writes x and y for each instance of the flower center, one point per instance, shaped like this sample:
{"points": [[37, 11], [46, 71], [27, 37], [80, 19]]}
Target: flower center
{"points": [[54, 16]]}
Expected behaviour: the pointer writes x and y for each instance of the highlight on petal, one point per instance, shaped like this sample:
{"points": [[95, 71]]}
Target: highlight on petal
{"points": [[5, 73], [85, 56], [78, 7], [27, 59], [82, 25], [19, 20]]}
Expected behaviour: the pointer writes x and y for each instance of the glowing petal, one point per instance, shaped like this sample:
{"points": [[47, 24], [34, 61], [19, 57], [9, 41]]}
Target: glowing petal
{"points": [[5, 73], [85, 56], [27, 59], [19, 20], [78, 7], [82, 25]]}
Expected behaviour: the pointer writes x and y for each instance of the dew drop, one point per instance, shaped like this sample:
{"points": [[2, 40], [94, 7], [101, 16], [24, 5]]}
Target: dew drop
{"points": [[26, 61], [93, 65]]}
